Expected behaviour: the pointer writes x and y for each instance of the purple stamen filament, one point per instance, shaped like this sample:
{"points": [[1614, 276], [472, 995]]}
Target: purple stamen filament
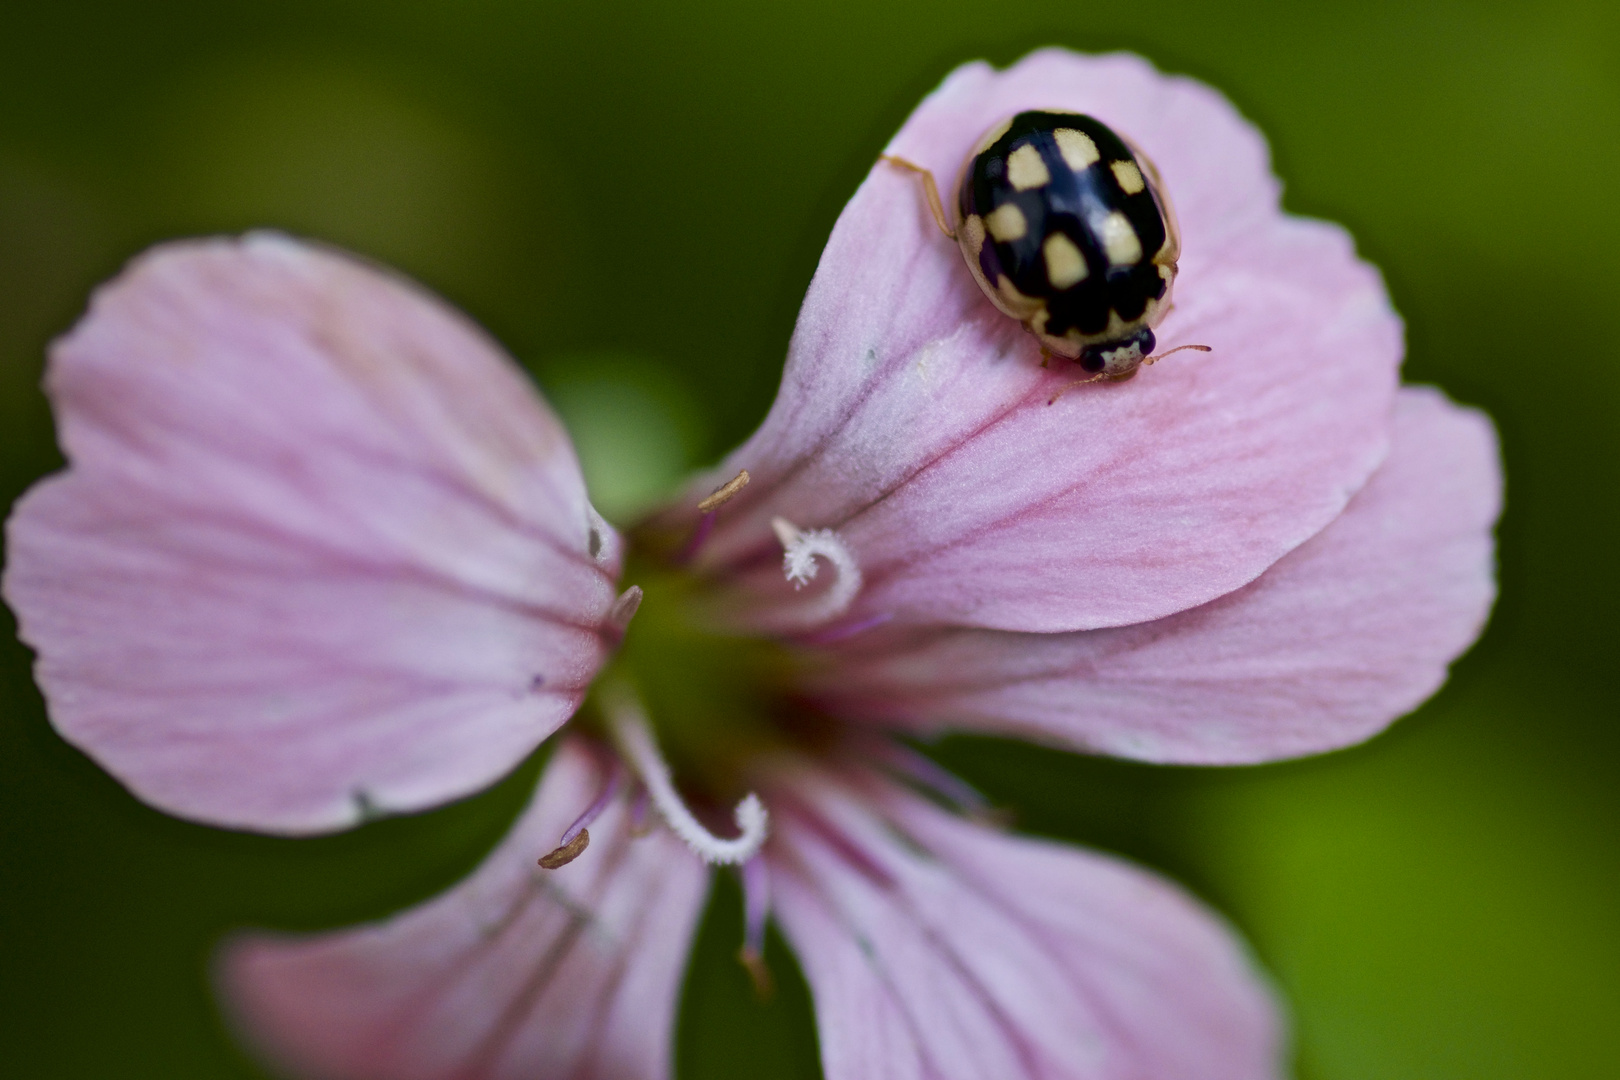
{"points": [[640, 822], [834, 634], [756, 885], [577, 836], [705, 526], [929, 775]]}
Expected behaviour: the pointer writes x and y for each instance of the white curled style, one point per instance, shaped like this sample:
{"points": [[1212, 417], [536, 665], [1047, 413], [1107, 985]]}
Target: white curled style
{"points": [[800, 550], [635, 741]]}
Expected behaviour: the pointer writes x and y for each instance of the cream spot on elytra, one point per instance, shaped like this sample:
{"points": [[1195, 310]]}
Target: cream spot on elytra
{"points": [[1128, 175], [1025, 169], [972, 235], [1006, 223], [1120, 242], [1078, 151], [1065, 266]]}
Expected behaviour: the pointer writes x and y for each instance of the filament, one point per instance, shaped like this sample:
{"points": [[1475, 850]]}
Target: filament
{"points": [[624, 609], [756, 885], [578, 837]]}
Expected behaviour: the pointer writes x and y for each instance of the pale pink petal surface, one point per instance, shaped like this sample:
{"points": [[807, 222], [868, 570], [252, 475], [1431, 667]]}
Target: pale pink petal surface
{"points": [[913, 416], [1346, 633], [322, 551], [516, 974], [936, 948]]}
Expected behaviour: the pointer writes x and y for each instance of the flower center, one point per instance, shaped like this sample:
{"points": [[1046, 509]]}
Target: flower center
{"points": [[713, 701], [689, 706]]}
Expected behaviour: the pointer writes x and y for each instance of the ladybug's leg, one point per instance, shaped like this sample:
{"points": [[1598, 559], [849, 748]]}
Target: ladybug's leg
{"points": [[1064, 389], [930, 190]]}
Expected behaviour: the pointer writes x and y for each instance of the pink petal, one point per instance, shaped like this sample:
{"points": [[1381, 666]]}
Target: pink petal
{"points": [[1348, 632], [913, 416], [321, 551], [517, 972], [937, 948]]}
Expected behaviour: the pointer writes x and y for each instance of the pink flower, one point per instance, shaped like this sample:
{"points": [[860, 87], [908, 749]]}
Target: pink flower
{"points": [[322, 552]]}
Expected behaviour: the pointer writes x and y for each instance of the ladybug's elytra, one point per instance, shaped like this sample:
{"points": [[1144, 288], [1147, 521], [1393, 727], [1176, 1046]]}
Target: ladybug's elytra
{"points": [[1066, 228]]}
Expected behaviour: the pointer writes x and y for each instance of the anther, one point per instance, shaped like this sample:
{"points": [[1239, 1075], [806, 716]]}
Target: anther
{"points": [[756, 884], [564, 854], [624, 609], [724, 493], [640, 750], [706, 509], [577, 837], [800, 550]]}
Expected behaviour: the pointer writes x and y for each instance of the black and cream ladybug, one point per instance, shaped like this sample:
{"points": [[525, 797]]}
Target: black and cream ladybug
{"points": [[1066, 228]]}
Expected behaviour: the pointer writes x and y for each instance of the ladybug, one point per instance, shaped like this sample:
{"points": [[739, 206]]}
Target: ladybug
{"points": [[1066, 228]]}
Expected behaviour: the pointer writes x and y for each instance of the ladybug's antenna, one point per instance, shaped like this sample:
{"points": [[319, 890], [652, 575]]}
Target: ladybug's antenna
{"points": [[1121, 378], [930, 190], [1178, 348]]}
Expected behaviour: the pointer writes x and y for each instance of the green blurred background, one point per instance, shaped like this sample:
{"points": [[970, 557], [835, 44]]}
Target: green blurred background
{"points": [[1441, 903]]}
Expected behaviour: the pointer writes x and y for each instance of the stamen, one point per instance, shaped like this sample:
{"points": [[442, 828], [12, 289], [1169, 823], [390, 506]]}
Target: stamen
{"points": [[706, 508], [578, 837], [624, 609], [928, 774], [705, 526], [636, 742], [723, 494], [832, 635], [640, 822], [799, 551], [756, 884], [563, 854]]}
